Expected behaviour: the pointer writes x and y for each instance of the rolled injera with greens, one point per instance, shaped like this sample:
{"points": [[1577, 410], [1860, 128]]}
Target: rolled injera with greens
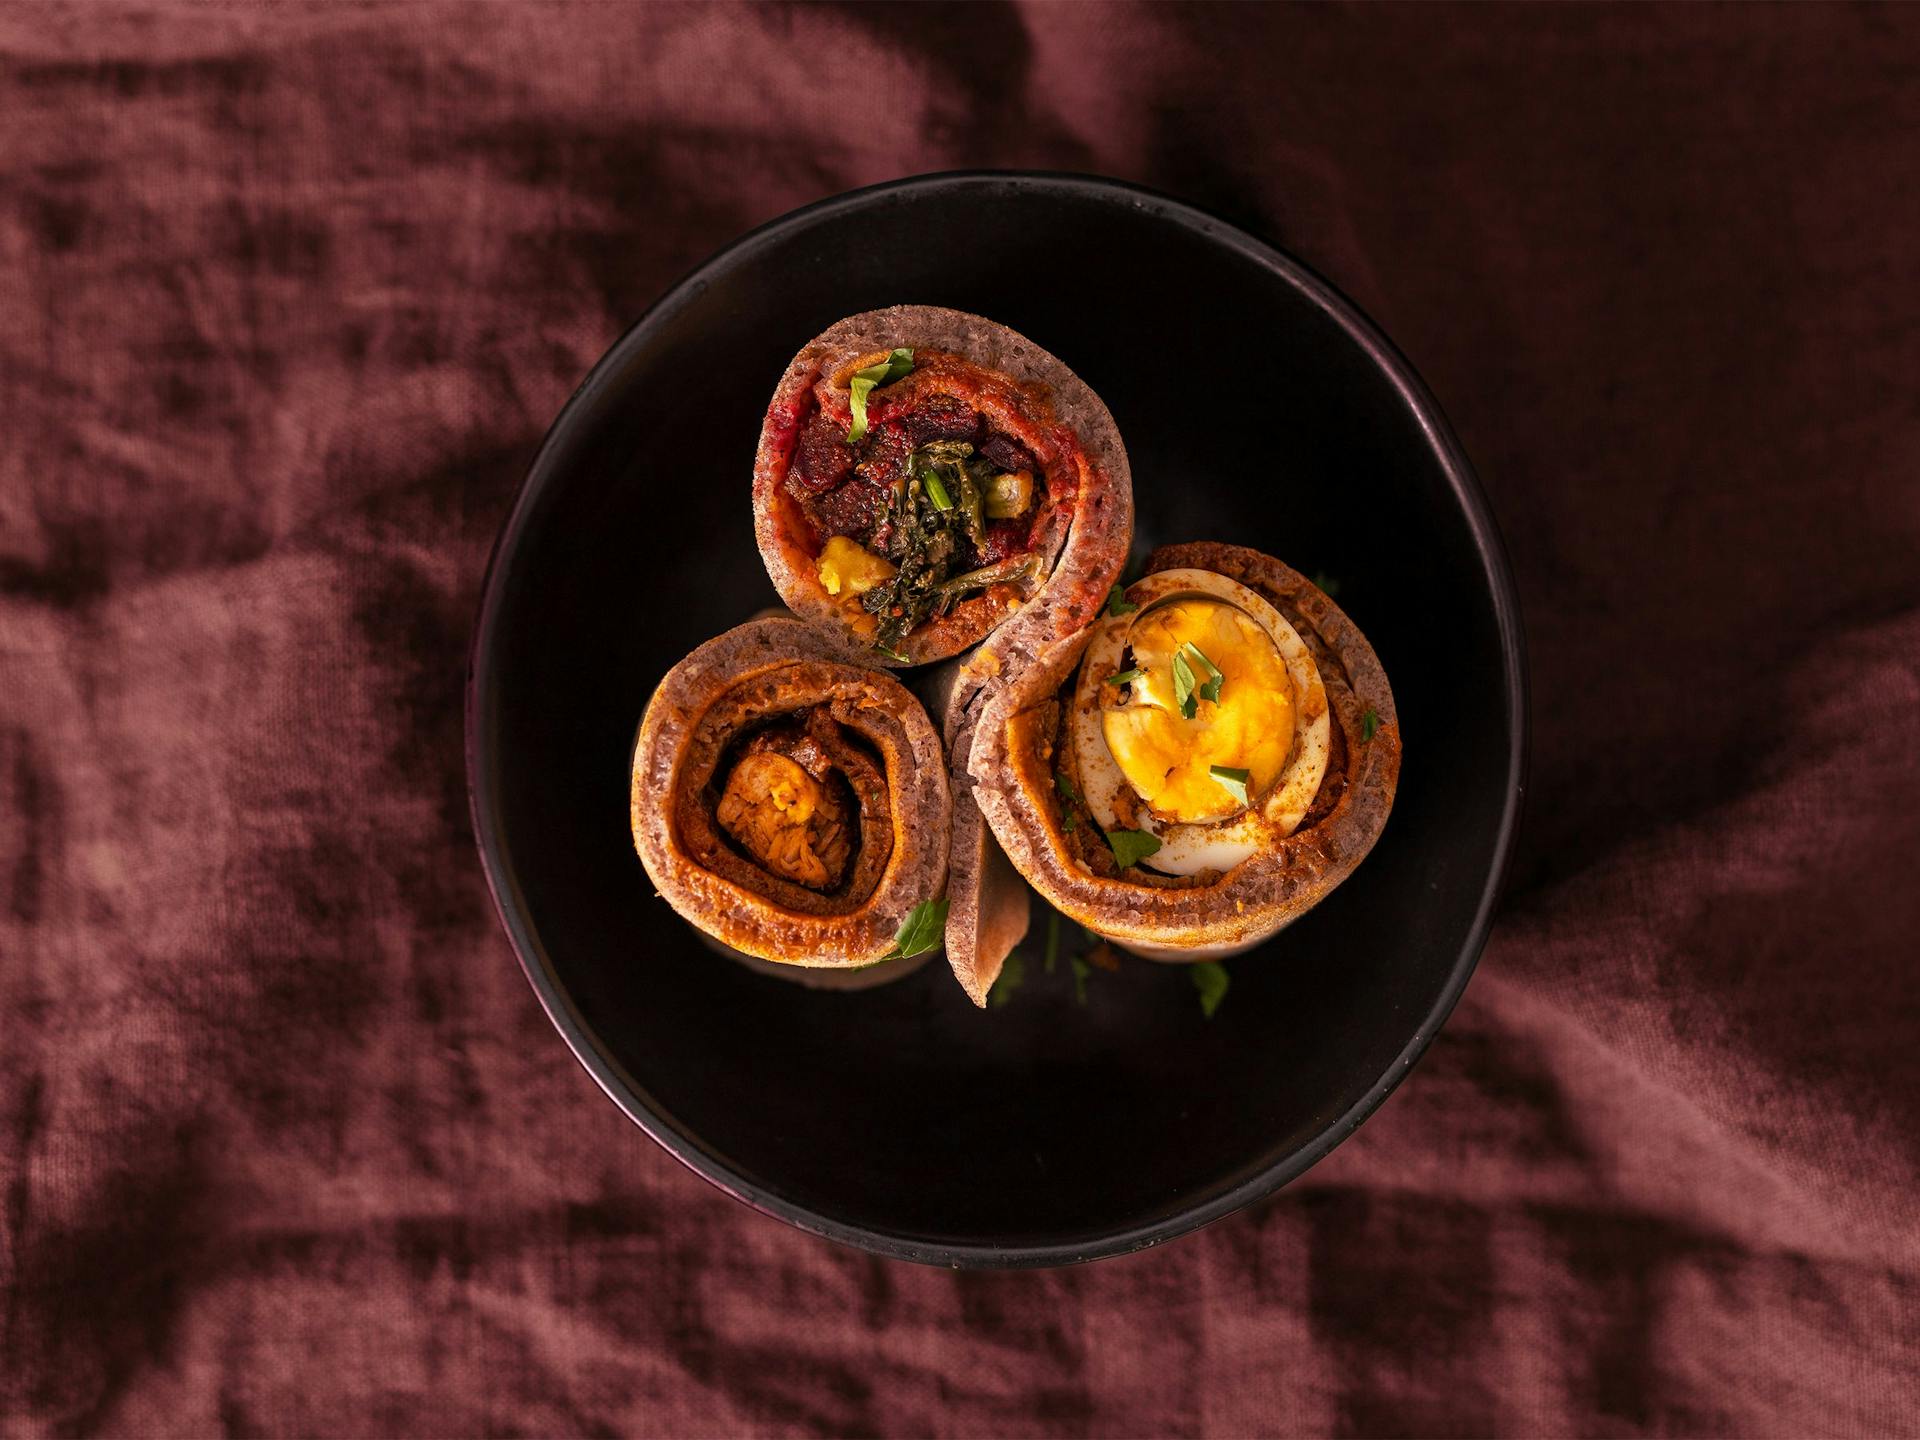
{"points": [[927, 479], [794, 805], [1200, 766], [925, 475]]}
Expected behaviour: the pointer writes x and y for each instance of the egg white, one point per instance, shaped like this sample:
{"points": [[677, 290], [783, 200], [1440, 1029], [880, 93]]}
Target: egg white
{"points": [[1221, 844]]}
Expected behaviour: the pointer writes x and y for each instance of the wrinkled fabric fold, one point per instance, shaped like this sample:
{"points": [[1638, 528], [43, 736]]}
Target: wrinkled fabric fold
{"points": [[290, 294]]}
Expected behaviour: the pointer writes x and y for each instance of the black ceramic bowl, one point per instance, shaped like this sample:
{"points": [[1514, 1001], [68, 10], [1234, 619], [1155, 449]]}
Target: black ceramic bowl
{"points": [[1259, 407]]}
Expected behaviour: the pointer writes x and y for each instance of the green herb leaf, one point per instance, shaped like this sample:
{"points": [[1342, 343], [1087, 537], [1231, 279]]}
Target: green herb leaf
{"points": [[1369, 724], [922, 930], [1053, 939], [1183, 685], [881, 372], [1118, 604], [1067, 792], [1210, 690], [923, 544], [1211, 980], [1325, 584], [1130, 847], [1234, 782], [896, 366], [857, 393], [937, 492], [1080, 972], [1125, 677], [1013, 974], [973, 504], [1003, 572], [892, 654]]}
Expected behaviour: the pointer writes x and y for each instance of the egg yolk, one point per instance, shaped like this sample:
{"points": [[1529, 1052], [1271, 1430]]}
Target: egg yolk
{"points": [[1166, 757]]}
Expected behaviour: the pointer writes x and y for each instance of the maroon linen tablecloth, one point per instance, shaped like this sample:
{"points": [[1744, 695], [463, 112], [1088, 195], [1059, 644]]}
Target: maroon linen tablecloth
{"points": [[287, 298]]}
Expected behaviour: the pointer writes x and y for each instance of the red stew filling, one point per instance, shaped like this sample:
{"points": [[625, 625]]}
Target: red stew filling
{"points": [[954, 482]]}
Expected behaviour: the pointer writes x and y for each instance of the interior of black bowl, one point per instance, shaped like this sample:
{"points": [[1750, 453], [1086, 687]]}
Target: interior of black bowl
{"points": [[903, 1118]]}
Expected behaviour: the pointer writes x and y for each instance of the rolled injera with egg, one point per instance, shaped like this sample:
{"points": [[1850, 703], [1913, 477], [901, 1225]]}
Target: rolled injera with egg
{"points": [[1200, 766], [791, 804], [928, 479]]}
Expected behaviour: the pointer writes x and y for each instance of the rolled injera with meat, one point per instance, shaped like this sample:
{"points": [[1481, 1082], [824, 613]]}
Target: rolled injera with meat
{"points": [[791, 804], [925, 475], [1200, 766], [928, 479]]}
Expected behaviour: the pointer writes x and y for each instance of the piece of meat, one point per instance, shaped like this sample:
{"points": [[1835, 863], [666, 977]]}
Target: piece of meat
{"points": [[884, 455], [1004, 538], [940, 417], [822, 459], [853, 509], [1008, 454], [785, 805]]}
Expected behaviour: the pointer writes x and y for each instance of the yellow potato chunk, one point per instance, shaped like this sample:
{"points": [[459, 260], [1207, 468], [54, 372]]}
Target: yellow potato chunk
{"points": [[1167, 758], [1009, 495], [846, 566]]}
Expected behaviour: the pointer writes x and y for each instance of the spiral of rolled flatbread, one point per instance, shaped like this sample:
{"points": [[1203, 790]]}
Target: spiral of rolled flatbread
{"points": [[1079, 540], [1019, 771], [1082, 521], [791, 804]]}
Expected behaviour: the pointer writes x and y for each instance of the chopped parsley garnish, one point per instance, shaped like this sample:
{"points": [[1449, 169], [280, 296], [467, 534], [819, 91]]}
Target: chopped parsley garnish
{"points": [[882, 372], [1067, 792], [937, 492], [1183, 685], [1118, 604], [1125, 677], [1013, 974], [1211, 689], [1210, 979], [1369, 724], [1234, 782], [892, 654], [1130, 847], [1186, 681], [921, 931]]}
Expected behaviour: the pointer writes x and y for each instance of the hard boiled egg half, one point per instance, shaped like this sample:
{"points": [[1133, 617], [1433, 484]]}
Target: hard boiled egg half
{"points": [[1200, 718]]}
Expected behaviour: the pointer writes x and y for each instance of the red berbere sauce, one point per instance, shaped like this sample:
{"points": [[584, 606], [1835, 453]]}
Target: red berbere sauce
{"points": [[844, 489]]}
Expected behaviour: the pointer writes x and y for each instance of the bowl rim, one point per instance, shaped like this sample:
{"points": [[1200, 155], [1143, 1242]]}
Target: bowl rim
{"points": [[509, 905]]}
